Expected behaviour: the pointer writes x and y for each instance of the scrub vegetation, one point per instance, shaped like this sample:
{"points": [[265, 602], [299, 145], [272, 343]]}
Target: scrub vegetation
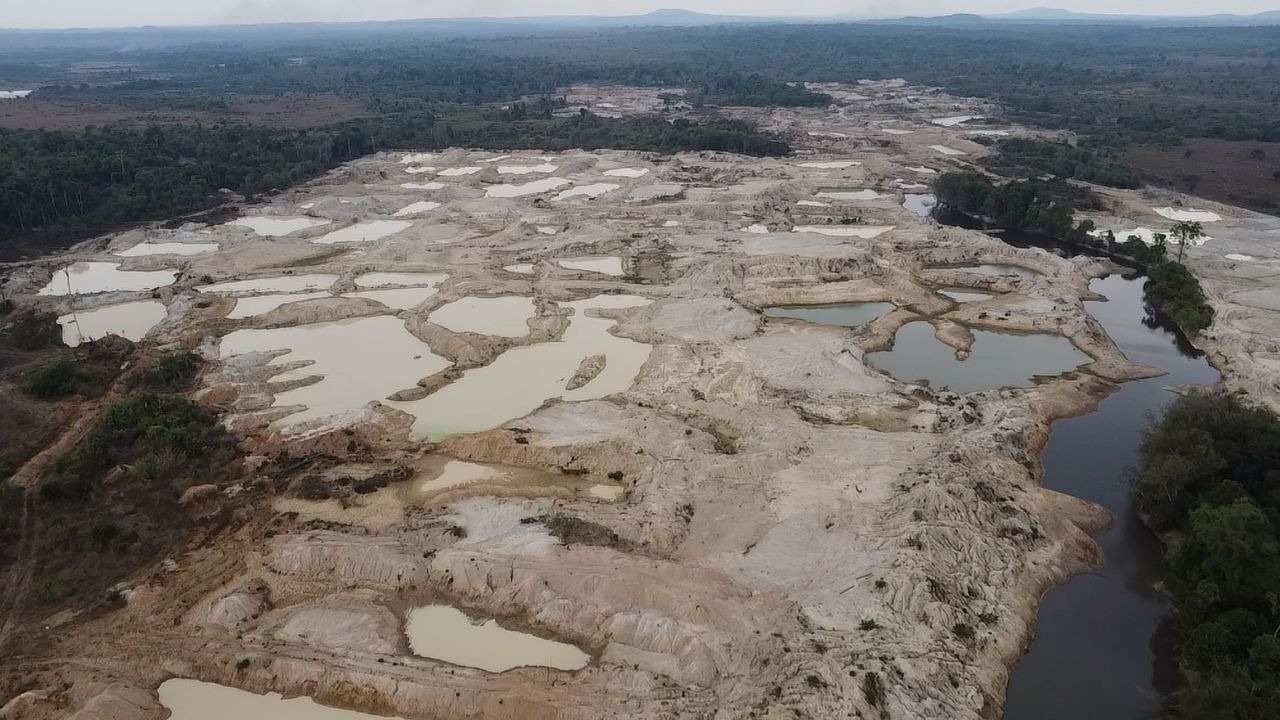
{"points": [[1208, 481]]}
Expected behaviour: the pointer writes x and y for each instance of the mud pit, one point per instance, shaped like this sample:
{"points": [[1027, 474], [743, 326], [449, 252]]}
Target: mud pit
{"points": [[733, 516]]}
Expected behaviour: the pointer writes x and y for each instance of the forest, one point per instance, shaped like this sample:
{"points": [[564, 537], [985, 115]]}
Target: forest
{"points": [[1208, 482]]}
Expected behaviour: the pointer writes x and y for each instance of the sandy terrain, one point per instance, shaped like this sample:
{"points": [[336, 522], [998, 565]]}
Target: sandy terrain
{"points": [[797, 534]]}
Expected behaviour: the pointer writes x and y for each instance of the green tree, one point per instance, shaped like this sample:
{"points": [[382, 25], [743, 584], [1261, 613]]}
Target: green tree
{"points": [[1184, 232]]}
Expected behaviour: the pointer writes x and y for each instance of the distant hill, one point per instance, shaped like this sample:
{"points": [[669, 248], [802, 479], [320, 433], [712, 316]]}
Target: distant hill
{"points": [[1049, 14]]}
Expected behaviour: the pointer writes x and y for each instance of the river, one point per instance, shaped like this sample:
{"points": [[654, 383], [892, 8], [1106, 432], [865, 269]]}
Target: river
{"points": [[1099, 651]]}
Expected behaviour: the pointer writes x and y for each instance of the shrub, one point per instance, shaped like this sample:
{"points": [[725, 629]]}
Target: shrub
{"points": [[55, 379]]}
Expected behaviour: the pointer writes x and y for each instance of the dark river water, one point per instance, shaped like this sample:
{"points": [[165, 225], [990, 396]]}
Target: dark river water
{"points": [[1099, 651]]}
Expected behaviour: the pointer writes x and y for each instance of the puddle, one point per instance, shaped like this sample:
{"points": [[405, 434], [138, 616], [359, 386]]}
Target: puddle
{"points": [[526, 169], [457, 473], [445, 633], [397, 298], [246, 307], [1188, 215], [403, 279], [850, 195], [360, 360], [830, 164], [607, 492], [196, 700], [523, 378], [278, 226], [946, 150], [422, 186], [921, 205], [996, 359], [167, 248], [131, 320], [955, 120], [364, 232], [855, 314], [519, 268], [607, 265], [865, 232], [279, 284], [500, 316], [416, 208], [84, 278], [811, 203], [590, 192], [627, 172], [964, 295], [529, 188], [460, 171]]}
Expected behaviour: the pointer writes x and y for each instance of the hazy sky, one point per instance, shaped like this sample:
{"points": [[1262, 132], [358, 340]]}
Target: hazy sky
{"points": [[118, 13]]}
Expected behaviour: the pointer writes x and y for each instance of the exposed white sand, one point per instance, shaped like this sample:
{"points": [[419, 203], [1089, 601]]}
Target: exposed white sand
{"points": [[910, 185], [445, 633], [500, 158], [1239, 258], [196, 700], [1187, 215], [987, 133], [964, 296], [546, 230], [529, 188], [607, 265], [592, 191], [830, 164], [523, 378], [401, 279], [526, 169], [506, 316], [897, 131], [396, 298], [278, 226], [671, 223], [277, 284], [132, 320], [860, 231], [422, 186], [826, 134], [420, 170], [947, 150], [259, 304], [371, 231], [457, 473], [606, 492], [417, 208], [460, 171], [756, 229], [84, 278], [850, 195], [955, 120], [812, 203], [13, 94], [359, 360], [167, 248], [414, 158], [627, 172], [921, 169]]}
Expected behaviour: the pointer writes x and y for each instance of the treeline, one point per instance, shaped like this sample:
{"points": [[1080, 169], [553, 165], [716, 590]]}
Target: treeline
{"points": [[1014, 205], [1209, 481], [73, 184], [758, 91], [1045, 208], [1024, 157]]}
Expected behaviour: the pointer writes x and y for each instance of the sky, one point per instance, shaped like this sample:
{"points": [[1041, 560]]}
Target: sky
{"points": [[125, 13]]}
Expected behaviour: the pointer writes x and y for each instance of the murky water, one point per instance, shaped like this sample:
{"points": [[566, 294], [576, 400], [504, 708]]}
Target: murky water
{"points": [[530, 188], [1094, 655], [445, 633], [590, 192], [359, 361], [847, 314], [196, 700], [523, 378], [996, 359], [919, 204], [277, 284], [402, 279], [371, 231], [167, 248], [128, 320], [507, 316], [606, 265], [278, 226], [396, 298], [459, 473], [247, 307], [84, 278]]}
